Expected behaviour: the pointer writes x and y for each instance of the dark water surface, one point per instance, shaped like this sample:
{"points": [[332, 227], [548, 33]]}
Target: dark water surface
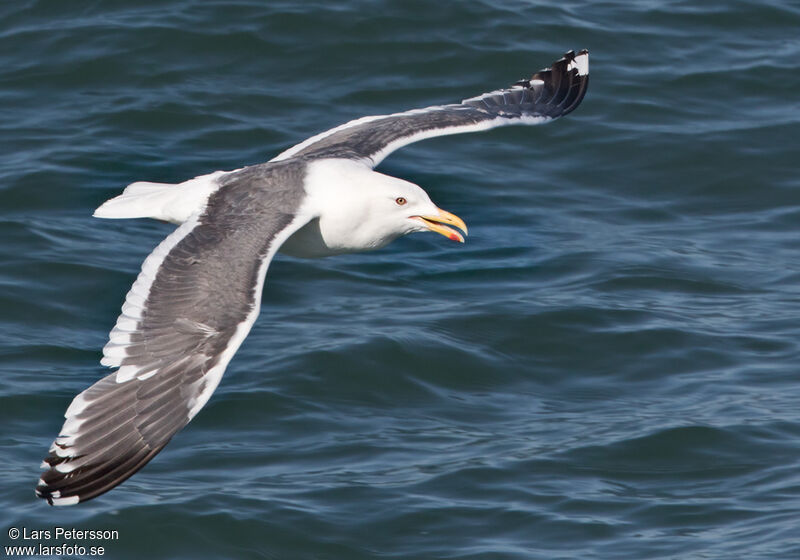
{"points": [[609, 368]]}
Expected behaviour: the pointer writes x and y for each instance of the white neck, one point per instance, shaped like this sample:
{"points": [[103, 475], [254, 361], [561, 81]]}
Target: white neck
{"points": [[340, 192]]}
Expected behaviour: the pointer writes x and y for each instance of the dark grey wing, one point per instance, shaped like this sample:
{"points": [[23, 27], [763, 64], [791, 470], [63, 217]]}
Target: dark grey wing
{"points": [[192, 305], [547, 95]]}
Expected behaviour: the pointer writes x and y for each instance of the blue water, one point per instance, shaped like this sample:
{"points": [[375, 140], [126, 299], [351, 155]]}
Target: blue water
{"points": [[608, 368]]}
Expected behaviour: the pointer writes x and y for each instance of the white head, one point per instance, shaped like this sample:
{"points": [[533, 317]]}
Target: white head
{"points": [[362, 209], [393, 208]]}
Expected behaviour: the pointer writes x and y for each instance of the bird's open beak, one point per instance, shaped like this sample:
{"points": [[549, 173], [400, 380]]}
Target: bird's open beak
{"points": [[436, 223]]}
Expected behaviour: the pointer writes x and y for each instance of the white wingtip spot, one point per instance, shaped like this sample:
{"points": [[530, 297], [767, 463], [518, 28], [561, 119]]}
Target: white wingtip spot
{"points": [[44, 465], [581, 62], [68, 501]]}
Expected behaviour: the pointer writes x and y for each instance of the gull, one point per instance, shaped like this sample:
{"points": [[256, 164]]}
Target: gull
{"points": [[199, 292]]}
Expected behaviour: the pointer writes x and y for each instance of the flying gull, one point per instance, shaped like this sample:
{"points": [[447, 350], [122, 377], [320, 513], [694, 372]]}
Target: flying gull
{"points": [[199, 292]]}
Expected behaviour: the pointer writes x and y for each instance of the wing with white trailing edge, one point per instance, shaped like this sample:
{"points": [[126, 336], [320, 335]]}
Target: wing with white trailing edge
{"points": [[550, 93], [192, 305]]}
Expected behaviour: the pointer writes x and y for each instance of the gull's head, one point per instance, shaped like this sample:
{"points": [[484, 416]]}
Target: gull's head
{"points": [[393, 208], [360, 209], [404, 208]]}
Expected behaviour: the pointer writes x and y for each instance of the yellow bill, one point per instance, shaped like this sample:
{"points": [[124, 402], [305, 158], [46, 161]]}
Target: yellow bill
{"points": [[439, 223]]}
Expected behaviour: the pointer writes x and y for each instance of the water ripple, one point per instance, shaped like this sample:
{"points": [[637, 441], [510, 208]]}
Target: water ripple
{"points": [[607, 369]]}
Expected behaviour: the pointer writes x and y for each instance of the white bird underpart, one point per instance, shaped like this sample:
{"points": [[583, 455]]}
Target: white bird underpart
{"points": [[199, 291]]}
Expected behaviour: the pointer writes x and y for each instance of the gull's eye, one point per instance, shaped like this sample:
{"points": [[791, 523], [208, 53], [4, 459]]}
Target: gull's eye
{"points": [[400, 200]]}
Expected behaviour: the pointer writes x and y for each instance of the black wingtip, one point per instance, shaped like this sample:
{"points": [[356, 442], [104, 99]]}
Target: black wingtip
{"points": [[549, 94], [54, 497], [571, 61], [59, 488], [565, 83]]}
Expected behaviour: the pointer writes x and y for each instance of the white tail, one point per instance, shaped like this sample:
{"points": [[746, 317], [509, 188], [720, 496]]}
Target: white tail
{"points": [[161, 201]]}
